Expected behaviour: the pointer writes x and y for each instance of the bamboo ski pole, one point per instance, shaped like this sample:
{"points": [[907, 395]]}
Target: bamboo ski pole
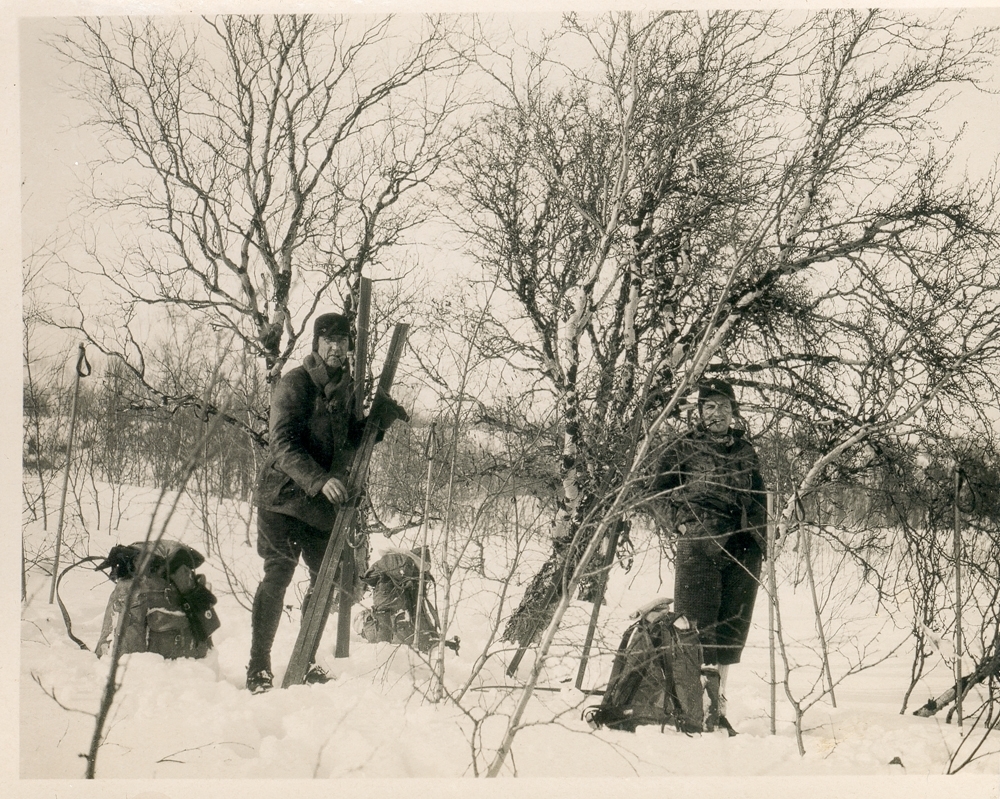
{"points": [[429, 457], [772, 502], [602, 587], [82, 370], [807, 532], [958, 598]]}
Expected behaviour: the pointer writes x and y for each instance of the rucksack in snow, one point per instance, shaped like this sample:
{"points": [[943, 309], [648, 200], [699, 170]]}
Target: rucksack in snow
{"points": [[394, 580], [656, 675], [171, 608]]}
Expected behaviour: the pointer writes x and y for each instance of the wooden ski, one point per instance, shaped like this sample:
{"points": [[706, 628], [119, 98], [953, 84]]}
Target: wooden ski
{"points": [[550, 594], [602, 586], [347, 562], [989, 667], [549, 597], [317, 610]]}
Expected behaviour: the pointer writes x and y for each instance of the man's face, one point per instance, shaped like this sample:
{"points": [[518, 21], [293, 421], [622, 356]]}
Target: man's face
{"points": [[716, 414], [333, 350]]}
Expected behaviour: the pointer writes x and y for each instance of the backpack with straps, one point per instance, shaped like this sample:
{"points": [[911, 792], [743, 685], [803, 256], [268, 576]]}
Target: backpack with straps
{"points": [[170, 606], [656, 675], [394, 580]]}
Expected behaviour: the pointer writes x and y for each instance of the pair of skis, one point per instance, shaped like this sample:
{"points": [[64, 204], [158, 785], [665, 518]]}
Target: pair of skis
{"points": [[347, 565], [319, 606], [606, 562]]}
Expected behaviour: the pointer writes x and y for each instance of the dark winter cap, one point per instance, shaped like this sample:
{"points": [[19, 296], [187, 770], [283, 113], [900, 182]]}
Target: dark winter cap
{"points": [[716, 387], [331, 324]]}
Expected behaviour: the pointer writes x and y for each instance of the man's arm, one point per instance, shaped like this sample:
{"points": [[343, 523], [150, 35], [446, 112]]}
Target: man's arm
{"points": [[757, 510], [665, 478], [291, 409], [670, 469]]}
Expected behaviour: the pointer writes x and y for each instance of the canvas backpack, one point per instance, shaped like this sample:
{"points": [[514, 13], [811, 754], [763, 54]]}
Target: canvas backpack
{"points": [[394, 580], [171, 609], [656, 674]]}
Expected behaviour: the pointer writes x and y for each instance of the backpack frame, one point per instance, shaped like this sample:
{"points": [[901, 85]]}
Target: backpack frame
{"points": [[171, 609], [394, 580], [656, 675]]}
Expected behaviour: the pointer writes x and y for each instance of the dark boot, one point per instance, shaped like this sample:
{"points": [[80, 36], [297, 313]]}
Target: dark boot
{"points": [[264, 620], [259, 681], [317, 675], [713, 697]]}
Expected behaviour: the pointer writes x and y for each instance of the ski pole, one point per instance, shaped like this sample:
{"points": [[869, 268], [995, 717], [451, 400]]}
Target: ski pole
{"points": [[958, 598], [429, 456], [800, 515], [602, 587], [82, 370], [772, 501]]}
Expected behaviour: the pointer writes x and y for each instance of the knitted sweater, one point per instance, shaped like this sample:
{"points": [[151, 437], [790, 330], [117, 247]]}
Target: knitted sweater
{"points": [[701, 473]]}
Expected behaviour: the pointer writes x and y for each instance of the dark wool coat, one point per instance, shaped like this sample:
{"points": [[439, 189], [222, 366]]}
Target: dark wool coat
{"points": [[704, 474], [314, 432]]}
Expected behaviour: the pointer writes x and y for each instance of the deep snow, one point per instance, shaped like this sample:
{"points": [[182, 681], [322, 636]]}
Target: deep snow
{"points": [[192, 720]]}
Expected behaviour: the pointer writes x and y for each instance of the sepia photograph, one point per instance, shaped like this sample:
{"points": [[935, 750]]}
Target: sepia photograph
{"points": [[560, 392]]}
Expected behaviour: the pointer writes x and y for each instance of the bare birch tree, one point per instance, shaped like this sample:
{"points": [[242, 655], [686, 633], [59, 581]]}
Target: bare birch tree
{"points": [[759, 195], [255, 165]]}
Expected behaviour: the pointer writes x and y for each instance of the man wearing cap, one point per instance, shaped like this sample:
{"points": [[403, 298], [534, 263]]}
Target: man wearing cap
{"points": [[710, 478], [314, 431]]}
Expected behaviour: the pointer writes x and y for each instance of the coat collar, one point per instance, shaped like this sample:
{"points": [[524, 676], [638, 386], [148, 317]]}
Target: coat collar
{"points": [[329, 383], [733, 437]]}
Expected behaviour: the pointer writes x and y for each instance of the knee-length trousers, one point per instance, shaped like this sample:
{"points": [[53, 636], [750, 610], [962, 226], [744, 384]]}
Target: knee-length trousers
{"points": [[717, 572]]}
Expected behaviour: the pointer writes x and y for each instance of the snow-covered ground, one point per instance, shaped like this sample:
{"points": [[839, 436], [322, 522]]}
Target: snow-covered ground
{"points": [[192, 720]]}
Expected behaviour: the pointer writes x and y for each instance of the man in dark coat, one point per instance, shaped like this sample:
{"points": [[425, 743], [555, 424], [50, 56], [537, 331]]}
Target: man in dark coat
{"points": [[315, 429], [710, 479]]}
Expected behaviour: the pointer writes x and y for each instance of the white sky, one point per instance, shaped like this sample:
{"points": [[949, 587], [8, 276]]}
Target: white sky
{"points": [[54, 147], [48, 151], [55, 150]]}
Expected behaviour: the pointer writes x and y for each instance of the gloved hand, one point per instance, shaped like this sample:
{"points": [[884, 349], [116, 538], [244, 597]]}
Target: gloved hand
{"points": [[386, 410]]}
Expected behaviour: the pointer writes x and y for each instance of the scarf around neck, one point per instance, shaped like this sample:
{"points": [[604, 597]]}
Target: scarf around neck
{"points": [[334, 383]]}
